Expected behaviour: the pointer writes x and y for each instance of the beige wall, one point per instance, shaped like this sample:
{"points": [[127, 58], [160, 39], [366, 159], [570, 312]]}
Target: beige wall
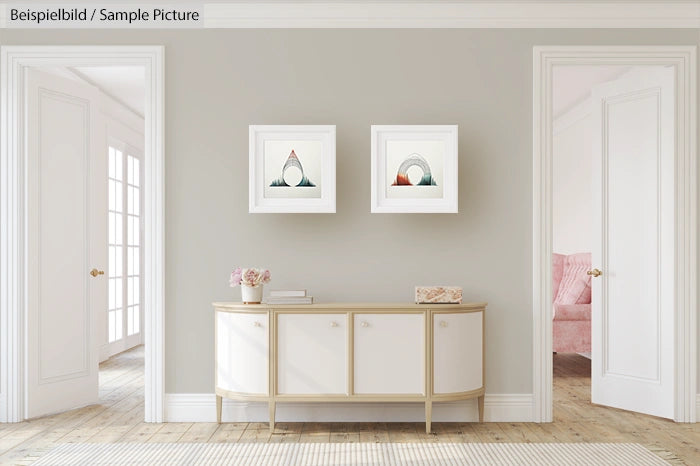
{"points": [[220, 81]]}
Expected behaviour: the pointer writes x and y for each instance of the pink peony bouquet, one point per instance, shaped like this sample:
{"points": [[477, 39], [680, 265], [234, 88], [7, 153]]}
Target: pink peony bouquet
{"points": [[249, 277]]}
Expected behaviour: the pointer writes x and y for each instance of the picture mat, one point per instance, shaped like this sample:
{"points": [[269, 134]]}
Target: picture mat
{"points": [[276, 153], [433, 151]]}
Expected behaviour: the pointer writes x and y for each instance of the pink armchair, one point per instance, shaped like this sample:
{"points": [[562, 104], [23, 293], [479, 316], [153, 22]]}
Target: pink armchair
{"points": [[571, 291]]}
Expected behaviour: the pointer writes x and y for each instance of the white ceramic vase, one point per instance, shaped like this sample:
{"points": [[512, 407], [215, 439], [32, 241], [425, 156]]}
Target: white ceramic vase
{"points": [[251, 294]]}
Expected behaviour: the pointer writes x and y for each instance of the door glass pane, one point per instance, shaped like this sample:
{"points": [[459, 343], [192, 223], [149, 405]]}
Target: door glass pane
{"points": [[118, 257], [137, 319], [111, 163], [118, 320], [133, 230], [119, 166], [118, 229], [118, 283], [136, 173], [135, 299], [130, 230], [135, 260], [112, 326], [118, 199], [133, 200], [112, 294], [111, 267], [130, 321], [111, 192]]}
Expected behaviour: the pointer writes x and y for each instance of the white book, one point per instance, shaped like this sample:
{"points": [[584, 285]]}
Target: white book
{"points": [[289, 300], [287, 293]]}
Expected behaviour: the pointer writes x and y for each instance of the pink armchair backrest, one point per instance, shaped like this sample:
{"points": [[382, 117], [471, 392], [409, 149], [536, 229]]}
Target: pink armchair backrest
{"points": [[574, 284]]}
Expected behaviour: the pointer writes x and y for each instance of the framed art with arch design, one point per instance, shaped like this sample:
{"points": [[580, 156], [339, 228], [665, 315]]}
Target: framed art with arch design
{"points": [[414, 169], [292, 169]]}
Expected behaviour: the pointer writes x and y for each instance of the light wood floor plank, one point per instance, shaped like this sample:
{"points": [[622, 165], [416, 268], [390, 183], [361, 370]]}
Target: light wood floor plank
{"points": [[199, 432], [119, 418]]}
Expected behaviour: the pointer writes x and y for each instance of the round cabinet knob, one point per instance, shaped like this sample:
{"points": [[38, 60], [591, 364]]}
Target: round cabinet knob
{"points": [[443, 323], [257, 324], [364, 324], [334, 324]]}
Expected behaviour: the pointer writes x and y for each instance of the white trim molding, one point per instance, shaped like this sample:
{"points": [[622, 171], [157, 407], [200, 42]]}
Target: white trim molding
{"points": [[13, 246], [457, 14], [683, 58], [201, 407]]}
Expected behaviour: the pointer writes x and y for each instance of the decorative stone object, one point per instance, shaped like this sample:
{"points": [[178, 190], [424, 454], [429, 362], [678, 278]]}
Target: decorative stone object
{"points": [[439, 294]]}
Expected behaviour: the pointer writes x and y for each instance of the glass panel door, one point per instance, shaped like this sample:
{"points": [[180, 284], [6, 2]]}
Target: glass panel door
{"points": [[124, 312], [133, 253], [116, 244]]}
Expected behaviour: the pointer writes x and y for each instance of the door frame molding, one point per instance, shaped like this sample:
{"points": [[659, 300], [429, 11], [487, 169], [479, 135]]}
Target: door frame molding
{"points": [[683, 58], [13, 213]]}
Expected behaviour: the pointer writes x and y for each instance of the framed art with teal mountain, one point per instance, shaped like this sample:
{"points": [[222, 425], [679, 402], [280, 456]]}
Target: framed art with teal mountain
{"points": [[292, 168]]}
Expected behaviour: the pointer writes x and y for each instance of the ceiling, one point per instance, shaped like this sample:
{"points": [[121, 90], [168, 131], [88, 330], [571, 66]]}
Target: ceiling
{"points": [[123, 83], [573, 84]]}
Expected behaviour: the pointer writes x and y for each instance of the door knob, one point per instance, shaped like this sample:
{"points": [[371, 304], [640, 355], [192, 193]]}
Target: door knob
{"points": [[595, 272], [95, 272]]}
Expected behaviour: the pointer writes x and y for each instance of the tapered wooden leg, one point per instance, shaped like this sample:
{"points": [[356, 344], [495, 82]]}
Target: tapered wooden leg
{"points": [[218, 409], [272, 415], [481, 408], [428, 415]]}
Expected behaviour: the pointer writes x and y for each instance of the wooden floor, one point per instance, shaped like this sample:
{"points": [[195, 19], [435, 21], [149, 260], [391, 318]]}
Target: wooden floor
{"points": [[119, 418]]}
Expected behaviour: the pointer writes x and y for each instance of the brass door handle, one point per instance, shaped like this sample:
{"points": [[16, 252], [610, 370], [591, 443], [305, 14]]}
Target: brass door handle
{"points": [[595, 272], [95, 272]]}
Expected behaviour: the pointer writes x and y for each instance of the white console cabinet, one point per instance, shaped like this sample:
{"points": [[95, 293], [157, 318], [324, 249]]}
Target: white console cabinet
{"points": [[349, 352]]}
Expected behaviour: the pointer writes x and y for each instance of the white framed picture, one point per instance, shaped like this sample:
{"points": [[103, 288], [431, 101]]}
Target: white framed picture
{"points": [[414, 168], [291, 169]]}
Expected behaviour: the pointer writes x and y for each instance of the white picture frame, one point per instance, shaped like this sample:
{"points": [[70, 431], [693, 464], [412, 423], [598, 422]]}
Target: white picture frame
{"points": [[291, 169], [414, 169]]}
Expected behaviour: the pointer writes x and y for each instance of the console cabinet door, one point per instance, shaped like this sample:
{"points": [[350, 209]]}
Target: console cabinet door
{"points": [[389, 354], [242, 352], [457, 352], [312, 354]]}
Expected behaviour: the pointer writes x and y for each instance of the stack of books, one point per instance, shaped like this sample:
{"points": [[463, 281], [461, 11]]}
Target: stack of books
{"points": [[288, 297]]}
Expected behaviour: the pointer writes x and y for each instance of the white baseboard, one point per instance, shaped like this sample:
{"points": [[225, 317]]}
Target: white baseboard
{"points": [[697, 408], [201, 407]]}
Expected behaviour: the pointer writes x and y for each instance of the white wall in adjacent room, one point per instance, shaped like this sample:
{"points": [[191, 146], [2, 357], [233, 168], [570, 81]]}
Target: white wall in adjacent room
{"points": [[572, 216]]}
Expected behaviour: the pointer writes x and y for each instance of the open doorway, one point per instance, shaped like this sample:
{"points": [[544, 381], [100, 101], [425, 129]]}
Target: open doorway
{"points": [[572, 227], [94, 210], [612, 242], [85, 185], [642, 257]]}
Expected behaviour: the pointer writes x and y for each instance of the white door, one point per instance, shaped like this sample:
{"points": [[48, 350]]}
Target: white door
{"points": [[312, 354], [389, 354], [66, 239], [633, 244]]}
